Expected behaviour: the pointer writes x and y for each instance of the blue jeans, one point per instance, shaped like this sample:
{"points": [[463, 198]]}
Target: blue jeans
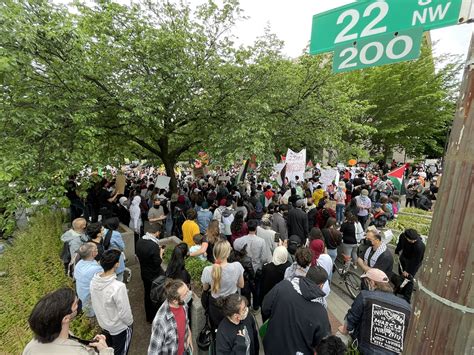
{"points": [[340, 213]]}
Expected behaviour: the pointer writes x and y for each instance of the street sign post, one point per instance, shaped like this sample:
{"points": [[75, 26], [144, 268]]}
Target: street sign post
{"points": [[355, 21], [378, 50]]}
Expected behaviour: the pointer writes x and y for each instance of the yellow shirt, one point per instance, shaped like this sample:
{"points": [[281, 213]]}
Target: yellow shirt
{"points": [[317, 196], [190, 229]]}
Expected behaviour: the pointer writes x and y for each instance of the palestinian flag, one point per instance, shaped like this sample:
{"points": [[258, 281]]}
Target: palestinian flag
{"points": [[242, 172], [282, 176], [396, 176]]}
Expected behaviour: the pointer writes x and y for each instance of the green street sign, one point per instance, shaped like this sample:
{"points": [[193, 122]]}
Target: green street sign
{"points": [[378, 50], [362, 19]]}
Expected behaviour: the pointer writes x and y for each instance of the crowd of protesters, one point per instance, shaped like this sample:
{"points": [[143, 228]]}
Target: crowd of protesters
{"points": [[272, 250]]}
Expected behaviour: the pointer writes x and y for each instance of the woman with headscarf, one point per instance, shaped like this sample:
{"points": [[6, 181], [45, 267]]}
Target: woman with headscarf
{"points": [[274, 272], [321, 258], [135, 217]]}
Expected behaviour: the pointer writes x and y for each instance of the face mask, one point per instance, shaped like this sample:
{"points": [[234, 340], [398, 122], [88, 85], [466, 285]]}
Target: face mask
{"points": [[156, 206], [187, 298], [246, 313]]}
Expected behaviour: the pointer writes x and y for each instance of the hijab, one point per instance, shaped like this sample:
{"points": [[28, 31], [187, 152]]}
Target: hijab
{"points": [[280, 256], [317, 248]]}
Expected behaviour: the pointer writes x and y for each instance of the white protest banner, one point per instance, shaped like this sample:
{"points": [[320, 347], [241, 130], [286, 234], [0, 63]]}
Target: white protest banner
{"points": [[162, 182], [328, 175], [295, 164]]}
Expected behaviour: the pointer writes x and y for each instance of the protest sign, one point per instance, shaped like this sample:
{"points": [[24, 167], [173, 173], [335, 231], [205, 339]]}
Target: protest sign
{"points": [[295, 164], [328, 176], [162, 182], [120, 183]]}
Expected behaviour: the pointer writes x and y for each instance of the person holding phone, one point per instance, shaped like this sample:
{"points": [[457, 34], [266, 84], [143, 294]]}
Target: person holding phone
{"points": [[50, 321]]}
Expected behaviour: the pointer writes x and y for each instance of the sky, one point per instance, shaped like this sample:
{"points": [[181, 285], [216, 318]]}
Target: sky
{"points": [[291, 22]]}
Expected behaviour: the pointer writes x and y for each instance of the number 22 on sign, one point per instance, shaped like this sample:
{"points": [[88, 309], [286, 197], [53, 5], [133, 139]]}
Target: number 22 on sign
{"points": [[378, 50]]}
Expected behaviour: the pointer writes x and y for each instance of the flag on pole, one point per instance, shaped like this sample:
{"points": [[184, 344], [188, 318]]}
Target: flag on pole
{"points": [[396, 176], [243, 171], [310, 165], [282, 176]]}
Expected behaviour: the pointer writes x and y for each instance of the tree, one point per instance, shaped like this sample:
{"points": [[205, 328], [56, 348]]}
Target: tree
{"points": [[412, 103]]}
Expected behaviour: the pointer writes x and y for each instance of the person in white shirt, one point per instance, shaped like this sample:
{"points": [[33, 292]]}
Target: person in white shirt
{"points": [[110, 302]]}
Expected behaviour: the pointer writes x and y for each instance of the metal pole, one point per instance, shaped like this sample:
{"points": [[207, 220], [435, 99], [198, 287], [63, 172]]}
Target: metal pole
{"points": [[442, 321]]}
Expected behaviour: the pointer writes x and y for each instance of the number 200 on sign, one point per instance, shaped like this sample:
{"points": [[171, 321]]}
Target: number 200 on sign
{"points": [[378, 50]]}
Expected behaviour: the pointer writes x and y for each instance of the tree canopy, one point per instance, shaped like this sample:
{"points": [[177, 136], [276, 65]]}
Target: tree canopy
{"points": [[92, 84]]}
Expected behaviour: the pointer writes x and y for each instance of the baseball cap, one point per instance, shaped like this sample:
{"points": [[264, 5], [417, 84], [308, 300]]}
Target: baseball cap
{"points": [[376, 275]]}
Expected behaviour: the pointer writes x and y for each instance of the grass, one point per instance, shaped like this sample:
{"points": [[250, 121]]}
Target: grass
{"points": [[33, 269]]}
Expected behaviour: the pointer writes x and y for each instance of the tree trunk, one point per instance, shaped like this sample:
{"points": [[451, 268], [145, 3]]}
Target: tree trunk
{"points": [[169, 163]]}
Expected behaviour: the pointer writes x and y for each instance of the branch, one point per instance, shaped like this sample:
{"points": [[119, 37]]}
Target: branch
{"points": [[178, 151], [107, 91], [146, 146]]}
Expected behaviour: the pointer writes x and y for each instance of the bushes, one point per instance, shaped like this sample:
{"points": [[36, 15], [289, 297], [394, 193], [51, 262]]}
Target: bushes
{"points": [[193, 265], [407, 220], [33, 269]]}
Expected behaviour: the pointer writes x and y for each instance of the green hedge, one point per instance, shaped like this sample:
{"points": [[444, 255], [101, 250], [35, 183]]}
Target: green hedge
{"points": [[193, 265], [33, 269]]}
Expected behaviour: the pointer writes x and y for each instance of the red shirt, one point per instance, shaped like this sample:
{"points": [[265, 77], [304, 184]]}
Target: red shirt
{"points": [[180, 317]]}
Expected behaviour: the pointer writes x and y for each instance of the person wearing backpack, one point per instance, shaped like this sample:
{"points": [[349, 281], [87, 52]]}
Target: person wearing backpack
{"points": [[73, 239], [113, 240]]}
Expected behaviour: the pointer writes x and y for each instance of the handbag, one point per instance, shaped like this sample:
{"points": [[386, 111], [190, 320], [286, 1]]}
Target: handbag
{"points": [[205, 336]]}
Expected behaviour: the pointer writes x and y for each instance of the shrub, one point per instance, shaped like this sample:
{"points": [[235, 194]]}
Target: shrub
{"points": [[33, 269]]}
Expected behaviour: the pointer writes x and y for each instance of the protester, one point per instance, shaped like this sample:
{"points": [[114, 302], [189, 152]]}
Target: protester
{"points": [[331, 345], [279, 222], [50, 322], [113, 240], [171, 333], [84, 271], [303, 259], [340, 197], [294, 305], [274, 272], [364, 204], [73, 239], [136, 223], [95, 232], [204, 217], [238, 227], [156, 214], [222, 279], [237, 333], [298, 222], [198, 240], [411, 249], [176, 267], [259, 254], [320, 258], [265, 232], [379, 296], [150, 256], [213, 236], [190, 228], [349, 239], [110, 302], [377, 256], [332, 238]]}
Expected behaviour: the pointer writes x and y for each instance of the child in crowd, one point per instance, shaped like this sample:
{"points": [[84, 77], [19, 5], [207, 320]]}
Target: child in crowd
{"points": [[198, 238]]}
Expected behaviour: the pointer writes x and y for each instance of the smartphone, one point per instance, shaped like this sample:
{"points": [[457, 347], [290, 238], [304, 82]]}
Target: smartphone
{"points": [[277, 237], [82, 341]]}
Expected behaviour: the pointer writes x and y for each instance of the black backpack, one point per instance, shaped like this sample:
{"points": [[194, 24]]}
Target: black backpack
{"points": [[157, 292]]}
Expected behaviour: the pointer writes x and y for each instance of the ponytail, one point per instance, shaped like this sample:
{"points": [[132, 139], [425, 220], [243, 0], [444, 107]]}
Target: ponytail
{"points": [[216, 275]]}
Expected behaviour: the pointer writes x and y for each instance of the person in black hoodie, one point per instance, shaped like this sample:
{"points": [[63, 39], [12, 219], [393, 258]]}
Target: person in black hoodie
{"points": [[298, 319], [411, 249]]}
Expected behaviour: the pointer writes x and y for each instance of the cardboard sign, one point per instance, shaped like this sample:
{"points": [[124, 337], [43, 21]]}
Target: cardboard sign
{"points": [[387, 329], [162, 182], [328, 176], [120, 183]]}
